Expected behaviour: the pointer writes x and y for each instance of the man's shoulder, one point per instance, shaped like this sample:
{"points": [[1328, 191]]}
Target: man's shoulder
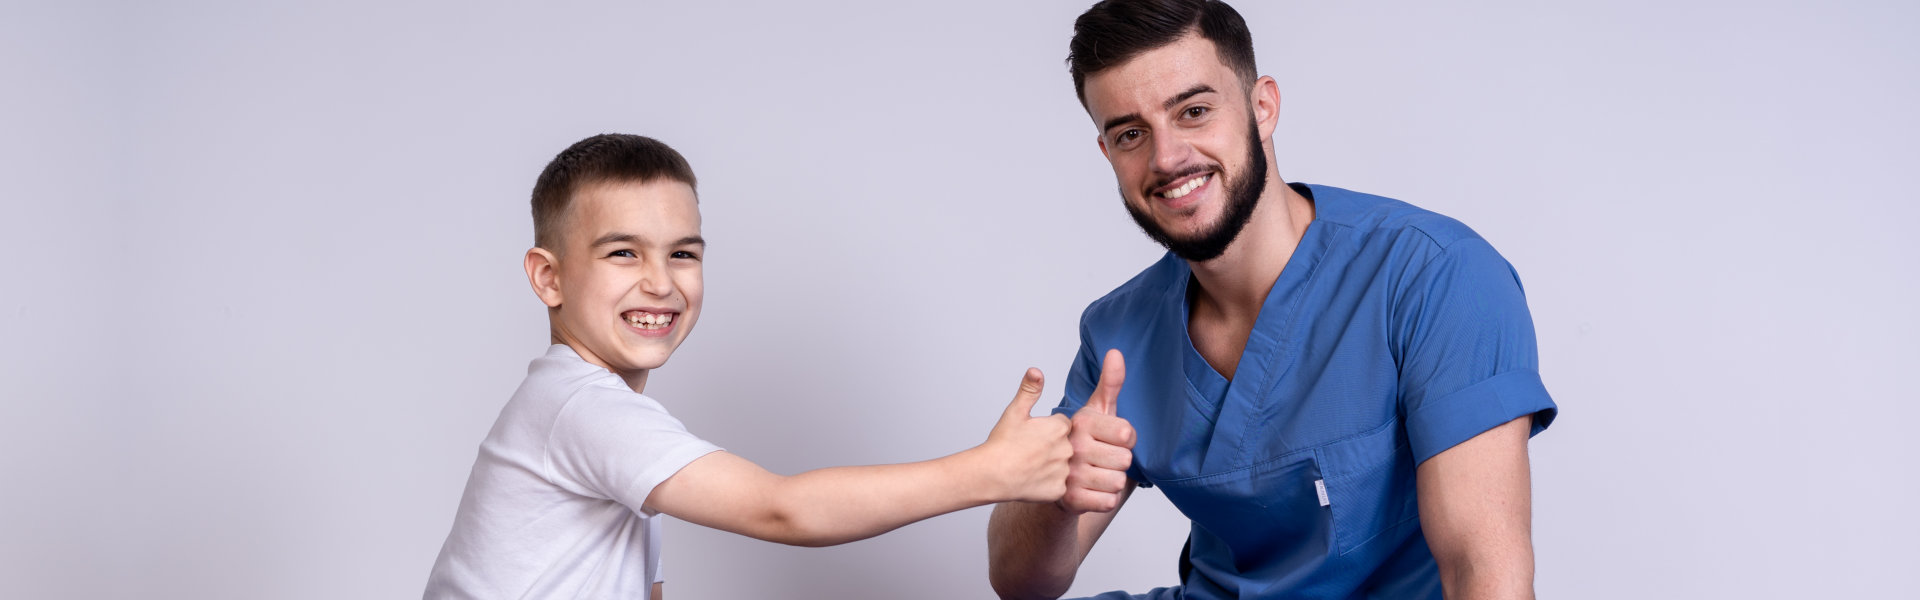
{"points": [[1146, 291], [1379, 219]]}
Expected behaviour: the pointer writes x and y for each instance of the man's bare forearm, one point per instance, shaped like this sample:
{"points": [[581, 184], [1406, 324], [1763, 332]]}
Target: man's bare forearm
{"points": [[1032, 550], [1510, 578]]}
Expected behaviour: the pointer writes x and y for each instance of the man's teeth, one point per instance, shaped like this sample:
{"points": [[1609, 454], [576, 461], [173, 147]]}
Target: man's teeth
{"points": [[649, 320], [1183, 190]]}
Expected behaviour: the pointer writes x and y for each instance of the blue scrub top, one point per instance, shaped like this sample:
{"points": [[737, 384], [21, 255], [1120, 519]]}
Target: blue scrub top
{"points": [[1392, 334]]}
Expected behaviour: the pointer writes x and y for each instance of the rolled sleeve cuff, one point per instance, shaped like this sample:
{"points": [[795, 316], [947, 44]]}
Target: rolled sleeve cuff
{"points": [[1438, 425]]}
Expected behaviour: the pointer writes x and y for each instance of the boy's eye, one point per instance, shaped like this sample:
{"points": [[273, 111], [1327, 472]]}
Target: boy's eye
{"points": [[685, 254], [623, 254]]}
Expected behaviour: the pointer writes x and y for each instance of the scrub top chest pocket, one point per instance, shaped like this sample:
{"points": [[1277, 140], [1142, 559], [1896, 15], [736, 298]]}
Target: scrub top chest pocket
{"points": [[1255, 514], [1344, 506], [1369, 482]]}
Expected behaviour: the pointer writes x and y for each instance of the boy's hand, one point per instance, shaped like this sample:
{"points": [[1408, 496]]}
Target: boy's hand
{"points": [[1029, 454], [1102, 446]]}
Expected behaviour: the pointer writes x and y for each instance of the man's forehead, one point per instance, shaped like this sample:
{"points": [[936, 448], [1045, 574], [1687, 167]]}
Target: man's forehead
{"points": [[1153, 77]]}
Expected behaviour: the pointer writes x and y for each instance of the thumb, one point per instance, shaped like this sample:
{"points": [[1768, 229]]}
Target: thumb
{"points": [[1022, 407], [1106, 394]]}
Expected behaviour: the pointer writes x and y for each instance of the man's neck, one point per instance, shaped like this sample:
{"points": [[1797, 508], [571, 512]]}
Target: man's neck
{"points": [[1235, 284]]}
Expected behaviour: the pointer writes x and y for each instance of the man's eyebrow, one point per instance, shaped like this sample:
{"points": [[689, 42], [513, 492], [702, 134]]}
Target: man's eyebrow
{"points": [[1183, 96], [1169, 104]]}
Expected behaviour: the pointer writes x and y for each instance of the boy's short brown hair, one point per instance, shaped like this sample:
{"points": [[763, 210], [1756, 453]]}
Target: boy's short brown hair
{"points": [[604, 158]]}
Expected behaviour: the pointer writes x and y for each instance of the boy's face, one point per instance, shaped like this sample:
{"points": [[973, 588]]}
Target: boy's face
{"points": [[626, 288]]}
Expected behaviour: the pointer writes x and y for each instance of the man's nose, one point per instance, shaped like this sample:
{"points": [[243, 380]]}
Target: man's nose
{"points": [[1171, 152]]}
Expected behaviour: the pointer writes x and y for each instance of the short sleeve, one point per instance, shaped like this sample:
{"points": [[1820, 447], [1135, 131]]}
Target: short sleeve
{"points": [[1467, 356], [1081, 378], [618, 445]]}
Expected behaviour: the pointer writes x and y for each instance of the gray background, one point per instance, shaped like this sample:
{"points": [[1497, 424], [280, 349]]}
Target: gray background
{"points": [[264, 298]]}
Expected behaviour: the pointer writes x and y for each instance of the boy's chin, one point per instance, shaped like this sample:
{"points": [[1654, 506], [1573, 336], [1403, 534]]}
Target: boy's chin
{"points": [[637, 362]]}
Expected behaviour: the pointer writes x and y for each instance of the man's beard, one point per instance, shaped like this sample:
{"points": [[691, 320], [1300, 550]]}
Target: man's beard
{"points": [[1242, 195]]}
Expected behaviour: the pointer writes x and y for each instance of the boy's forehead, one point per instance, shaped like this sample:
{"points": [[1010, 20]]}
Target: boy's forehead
{"points": [[663, 209]]}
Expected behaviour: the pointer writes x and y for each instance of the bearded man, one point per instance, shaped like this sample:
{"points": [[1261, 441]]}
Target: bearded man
{"points": [[1336, 388]]}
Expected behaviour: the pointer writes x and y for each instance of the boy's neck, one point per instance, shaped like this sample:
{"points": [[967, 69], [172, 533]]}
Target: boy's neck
{"points": [[637, 379]]}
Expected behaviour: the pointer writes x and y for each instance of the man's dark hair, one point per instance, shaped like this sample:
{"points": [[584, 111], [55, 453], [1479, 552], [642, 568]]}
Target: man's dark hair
{"points": [[604, 158], [1116, 31]]}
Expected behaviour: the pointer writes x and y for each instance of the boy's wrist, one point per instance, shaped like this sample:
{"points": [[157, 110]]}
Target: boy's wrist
{"points": [[981, 476]]}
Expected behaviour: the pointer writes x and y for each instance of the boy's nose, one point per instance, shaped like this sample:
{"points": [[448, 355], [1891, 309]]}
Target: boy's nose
{"points": [[654, 282]]}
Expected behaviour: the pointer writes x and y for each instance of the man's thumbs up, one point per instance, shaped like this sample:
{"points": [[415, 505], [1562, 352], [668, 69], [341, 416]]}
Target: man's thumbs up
{"points": [[1106, 394], [1102, 445]]}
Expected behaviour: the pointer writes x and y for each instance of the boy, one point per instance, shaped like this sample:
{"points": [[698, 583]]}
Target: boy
{"points": [[565, 497]]}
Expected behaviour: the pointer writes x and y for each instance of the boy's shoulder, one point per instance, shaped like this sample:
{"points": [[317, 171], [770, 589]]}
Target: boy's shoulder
{"points": [[560, 382]]}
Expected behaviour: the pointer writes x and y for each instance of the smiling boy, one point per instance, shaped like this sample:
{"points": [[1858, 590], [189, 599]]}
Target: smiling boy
{"points": [[565, 496]]}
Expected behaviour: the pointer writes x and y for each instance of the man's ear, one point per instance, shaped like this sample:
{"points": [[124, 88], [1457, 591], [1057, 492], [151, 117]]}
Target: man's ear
{"points": [[1266, 105], [1101, 141], [543, 271]]}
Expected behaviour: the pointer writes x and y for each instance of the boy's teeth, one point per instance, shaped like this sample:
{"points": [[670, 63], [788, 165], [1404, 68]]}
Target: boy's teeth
{"points": [[649, 320]]}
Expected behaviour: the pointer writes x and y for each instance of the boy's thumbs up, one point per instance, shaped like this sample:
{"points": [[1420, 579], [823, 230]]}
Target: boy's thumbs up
{"points": [[1023, 400], [1029, 454], [1106, 394]]}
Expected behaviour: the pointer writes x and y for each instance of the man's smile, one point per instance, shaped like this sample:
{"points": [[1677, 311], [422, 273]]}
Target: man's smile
{"points": [[1179, 193]]}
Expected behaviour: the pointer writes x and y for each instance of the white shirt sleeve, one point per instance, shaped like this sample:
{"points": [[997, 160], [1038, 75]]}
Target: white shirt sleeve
{"points": [[615, 444]]}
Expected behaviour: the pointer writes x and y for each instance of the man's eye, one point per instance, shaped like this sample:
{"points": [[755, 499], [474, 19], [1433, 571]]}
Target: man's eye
{"points": [[1195, 112], [1129, 135]]}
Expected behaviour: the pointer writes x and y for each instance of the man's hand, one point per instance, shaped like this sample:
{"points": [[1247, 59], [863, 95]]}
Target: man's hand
{"points": [[1029, 454], [1102, 446]]}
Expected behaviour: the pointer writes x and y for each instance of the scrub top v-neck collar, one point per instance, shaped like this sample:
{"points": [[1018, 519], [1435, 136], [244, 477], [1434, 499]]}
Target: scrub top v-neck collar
{"points": [[1241, 406]]}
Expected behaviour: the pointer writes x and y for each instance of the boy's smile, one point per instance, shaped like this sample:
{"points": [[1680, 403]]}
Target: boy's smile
{"points": [[655, 322], [626, 289]]}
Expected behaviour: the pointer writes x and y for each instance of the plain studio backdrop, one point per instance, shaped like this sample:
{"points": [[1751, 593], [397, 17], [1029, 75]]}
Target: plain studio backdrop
{"points": [[264, 295]]}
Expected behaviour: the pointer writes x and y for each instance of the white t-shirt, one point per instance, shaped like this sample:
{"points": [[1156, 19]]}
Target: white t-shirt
{"points": [[553, 508]]}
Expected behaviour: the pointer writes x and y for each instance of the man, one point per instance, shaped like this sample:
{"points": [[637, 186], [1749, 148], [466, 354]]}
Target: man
{"points": [[1336, 388]]}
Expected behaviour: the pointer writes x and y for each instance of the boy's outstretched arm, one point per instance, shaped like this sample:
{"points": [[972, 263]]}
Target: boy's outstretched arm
{"points": [[1024, 458]]}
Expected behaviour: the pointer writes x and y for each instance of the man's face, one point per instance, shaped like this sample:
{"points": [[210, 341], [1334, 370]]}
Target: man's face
{"points": [[629, 278], [1180, 131]]}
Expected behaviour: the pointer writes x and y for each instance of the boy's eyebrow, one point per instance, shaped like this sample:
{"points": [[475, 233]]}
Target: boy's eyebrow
{"points": [[617, 237], [614, 238]]}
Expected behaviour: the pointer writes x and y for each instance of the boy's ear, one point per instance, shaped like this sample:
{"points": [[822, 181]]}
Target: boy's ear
{"points": [[543, 271]]}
